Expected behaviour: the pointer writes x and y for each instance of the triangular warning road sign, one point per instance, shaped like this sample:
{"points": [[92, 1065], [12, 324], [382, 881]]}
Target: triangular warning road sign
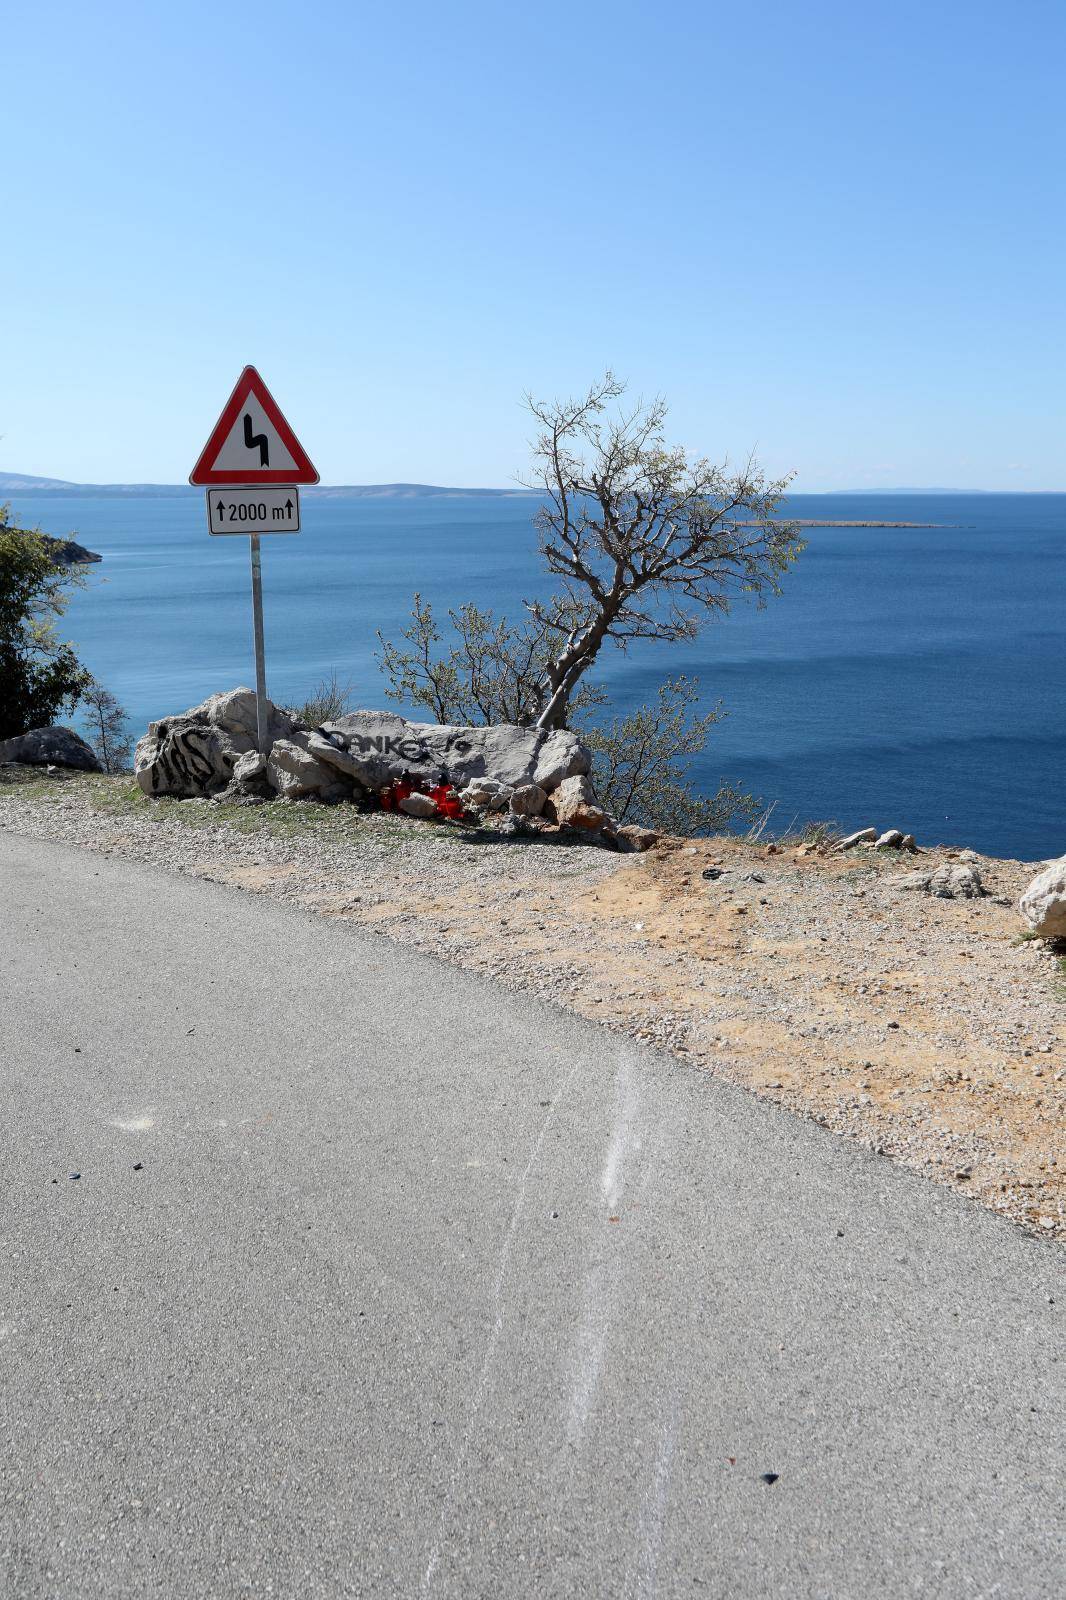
{"points": [[251, 441]]}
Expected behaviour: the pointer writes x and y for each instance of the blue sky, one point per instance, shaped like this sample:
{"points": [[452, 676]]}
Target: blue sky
{"points": [[831, 232]]}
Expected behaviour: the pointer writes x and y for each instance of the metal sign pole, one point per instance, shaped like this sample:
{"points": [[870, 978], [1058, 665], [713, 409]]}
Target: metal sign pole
{"points": [[261, 717]]}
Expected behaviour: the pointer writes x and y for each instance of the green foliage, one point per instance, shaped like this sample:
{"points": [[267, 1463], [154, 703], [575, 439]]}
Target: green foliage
{"points": [[490, 673], [106, 728], [328, 700], [641, 766], [39, 676]]}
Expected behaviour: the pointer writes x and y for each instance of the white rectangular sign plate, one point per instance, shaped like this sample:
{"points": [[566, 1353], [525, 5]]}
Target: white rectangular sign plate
{"points": [[266, 510]]}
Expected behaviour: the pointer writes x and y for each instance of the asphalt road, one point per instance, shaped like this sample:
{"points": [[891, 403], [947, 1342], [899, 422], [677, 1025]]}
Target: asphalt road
{"points": [[378, 1280]]}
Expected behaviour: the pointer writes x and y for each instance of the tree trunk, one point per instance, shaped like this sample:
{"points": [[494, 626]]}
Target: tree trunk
{"points": [[565, 674]]}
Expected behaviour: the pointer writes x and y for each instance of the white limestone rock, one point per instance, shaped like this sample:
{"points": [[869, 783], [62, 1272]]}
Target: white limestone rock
{"points": [[574, 805], [1043, 904], [295, 771], [195, 753], [419, 805], [861, 836], [376, 747], [485, 794], [528, 800]]}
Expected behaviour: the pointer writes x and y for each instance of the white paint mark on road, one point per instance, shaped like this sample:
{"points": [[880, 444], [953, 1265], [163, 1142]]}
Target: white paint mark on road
{"points": [[459, 1464], [596, 1316], [624, 1140], [134, 1124], [591, 1344], [652, 1514]]}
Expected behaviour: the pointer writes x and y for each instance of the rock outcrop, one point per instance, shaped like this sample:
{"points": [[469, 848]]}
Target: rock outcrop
{"points": [[1043, 904], [50, 747], [68, 553], [374, 748], [890, 839], [946, 882], [210, 751], [197, 753]]}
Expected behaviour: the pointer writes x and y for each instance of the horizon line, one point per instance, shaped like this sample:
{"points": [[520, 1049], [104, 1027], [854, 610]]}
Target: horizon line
{"points": [[28, 483]]}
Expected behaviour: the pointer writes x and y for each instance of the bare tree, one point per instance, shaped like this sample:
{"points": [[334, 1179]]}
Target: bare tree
{"points": [[106, 726], [647, 543]]}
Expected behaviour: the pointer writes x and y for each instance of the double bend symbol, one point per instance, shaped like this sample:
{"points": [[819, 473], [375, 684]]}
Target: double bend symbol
{"points": [[252, 439]]}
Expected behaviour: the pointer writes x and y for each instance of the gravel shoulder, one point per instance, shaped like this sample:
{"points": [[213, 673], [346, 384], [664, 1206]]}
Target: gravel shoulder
{"points": [[927, 1029]]}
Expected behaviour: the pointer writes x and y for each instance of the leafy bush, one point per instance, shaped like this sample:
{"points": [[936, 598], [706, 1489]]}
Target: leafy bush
{"points": [[39, 676], [641, 766], [328, 700]]}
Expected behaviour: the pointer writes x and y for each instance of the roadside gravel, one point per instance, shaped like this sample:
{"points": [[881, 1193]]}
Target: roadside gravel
{"points": [[925, 1028]]}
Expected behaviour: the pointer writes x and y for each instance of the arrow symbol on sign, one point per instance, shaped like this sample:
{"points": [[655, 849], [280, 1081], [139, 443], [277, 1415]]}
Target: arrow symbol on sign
{"points": [[221, 511], [252, 439], [288, 507]]}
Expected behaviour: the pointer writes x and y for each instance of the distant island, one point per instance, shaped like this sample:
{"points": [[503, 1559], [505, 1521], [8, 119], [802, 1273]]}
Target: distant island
{"points": [[839, 522], [24, 483], [907, 489]]}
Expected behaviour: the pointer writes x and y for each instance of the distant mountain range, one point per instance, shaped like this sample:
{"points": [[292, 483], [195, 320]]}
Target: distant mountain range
{"points": [[24, 483]]}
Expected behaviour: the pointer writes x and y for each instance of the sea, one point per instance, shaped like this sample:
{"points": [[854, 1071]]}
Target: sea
{"points": [[906, 677]]}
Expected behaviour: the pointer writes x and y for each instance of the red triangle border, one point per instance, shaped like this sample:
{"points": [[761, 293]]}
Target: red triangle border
{"points": [[248, 383]]}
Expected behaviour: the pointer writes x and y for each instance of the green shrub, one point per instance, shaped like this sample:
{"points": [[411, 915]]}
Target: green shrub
{"points": [[641, 766], [39, 676]]}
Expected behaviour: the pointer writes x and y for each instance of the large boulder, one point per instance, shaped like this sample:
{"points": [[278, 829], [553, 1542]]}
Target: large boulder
{"points": [[1043, 905], [50, 747], [295, 771], [573, 805], [194, 753], [375, 747]]}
